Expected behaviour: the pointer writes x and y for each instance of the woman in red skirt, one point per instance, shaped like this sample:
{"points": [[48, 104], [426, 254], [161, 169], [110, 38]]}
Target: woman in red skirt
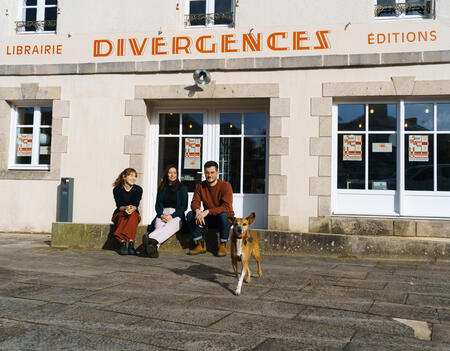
{"points": [[126, 216]]}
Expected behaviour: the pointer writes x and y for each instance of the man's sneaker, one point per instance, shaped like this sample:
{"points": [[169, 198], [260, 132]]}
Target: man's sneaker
{"points": [[131, 250], [152, 248], [222, 250], [199, 249], [123, 248]]}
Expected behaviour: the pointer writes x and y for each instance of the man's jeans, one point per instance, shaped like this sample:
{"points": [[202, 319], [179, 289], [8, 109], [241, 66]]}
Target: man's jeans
{"points": [[220, 222]]}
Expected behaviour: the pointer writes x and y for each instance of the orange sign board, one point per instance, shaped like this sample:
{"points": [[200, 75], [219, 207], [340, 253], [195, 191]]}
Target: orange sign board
{"points": [[24, 144], [192, 153]]}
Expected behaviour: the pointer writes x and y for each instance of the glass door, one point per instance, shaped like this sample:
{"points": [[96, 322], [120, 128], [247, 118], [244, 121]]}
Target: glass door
{"points": [[243, 161], [236, 140]]}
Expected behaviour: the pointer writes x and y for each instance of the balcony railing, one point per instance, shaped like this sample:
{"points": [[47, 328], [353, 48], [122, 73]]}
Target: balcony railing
{"points": [[35, 26], [208, 19], [423, 8]]}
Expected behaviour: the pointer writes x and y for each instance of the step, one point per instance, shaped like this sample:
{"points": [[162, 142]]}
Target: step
{"points": [[99, 236]]}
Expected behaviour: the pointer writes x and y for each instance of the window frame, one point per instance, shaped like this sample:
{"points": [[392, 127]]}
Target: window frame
{"points": [[35, 146], [40, 17], [209, 10], [404, 16], [402, 196]]}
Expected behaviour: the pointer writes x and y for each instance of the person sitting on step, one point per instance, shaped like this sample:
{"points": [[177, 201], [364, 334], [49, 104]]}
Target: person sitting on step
{"points": [[126, 215], [217, 198], [171, 203]]}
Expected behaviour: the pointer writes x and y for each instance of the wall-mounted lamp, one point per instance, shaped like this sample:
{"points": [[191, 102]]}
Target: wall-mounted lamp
{"points": [[202, 77], [160, 31], [237, 3], [6, 12], [178, 6]]}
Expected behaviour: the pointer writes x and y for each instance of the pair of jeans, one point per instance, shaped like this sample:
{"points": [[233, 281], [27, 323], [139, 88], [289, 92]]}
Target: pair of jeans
{"points": [[219, 221]]}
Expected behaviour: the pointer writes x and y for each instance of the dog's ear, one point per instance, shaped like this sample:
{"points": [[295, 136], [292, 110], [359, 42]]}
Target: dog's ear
{"points": [[251, 218], [231, 219]]}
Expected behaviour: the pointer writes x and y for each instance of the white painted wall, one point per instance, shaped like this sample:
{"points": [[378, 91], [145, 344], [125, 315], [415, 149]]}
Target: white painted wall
{"points": [[97, 126]]}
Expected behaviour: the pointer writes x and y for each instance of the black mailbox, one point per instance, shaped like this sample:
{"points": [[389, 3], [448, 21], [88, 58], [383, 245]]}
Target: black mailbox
{"points": [[65, 200]]}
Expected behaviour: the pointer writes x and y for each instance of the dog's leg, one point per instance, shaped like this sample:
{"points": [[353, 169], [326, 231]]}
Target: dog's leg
{"points": [[234, 264], [257, 257], [241, 278]]}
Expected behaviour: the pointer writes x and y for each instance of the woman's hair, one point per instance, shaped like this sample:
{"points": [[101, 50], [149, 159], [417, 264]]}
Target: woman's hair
{"points": [[165, 180], [126, 172]]}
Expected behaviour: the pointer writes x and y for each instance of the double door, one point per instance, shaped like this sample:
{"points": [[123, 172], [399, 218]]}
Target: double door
{"points": [[236, 139]]}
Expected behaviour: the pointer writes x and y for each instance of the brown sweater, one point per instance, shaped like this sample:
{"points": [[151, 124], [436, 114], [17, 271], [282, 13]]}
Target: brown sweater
{"points": [[216, 199]]}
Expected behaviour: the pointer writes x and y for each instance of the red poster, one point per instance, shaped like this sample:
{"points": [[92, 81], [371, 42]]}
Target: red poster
{"points": [[418, 148], [192, 150], [352, 148]]}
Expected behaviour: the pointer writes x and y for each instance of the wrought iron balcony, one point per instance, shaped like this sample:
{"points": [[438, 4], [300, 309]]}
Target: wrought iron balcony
{"points": [[35, 26], [419, 8], [208, 19]]}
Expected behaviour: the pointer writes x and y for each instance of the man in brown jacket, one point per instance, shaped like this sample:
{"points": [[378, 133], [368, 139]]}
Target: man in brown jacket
{"points": [[217, 198]]}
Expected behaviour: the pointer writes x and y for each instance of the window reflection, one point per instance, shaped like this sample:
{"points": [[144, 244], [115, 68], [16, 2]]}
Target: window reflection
{"points": [[192, 123], [230, 123], [254, 165], [382, 117], [419, 162], [169, 123], [230, 162], [443, 117], [351, 169], [383, 161], [351, 117], [255, 123], [419, 117], [443, 162]]}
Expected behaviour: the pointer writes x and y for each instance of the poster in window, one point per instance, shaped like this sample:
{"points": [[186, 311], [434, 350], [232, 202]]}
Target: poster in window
{"points": [[418, 148], [192, 149], [352, 148], [24, 144]]}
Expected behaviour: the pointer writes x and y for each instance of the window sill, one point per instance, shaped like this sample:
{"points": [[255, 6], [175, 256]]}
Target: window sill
{"points": [[29, 168], [39, 33]]}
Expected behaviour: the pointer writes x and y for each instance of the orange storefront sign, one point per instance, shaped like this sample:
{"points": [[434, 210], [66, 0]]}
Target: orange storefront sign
{"points": [[207, 44]]}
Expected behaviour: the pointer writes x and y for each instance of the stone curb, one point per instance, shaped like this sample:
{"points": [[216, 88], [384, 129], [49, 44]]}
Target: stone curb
{"points": [[232, 64], [271, 242]]}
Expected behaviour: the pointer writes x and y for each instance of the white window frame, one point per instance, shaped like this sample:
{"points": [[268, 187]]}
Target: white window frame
{"points": [[403, 16], [35, 146], [403, 197], [40, 16], [210, 4]]}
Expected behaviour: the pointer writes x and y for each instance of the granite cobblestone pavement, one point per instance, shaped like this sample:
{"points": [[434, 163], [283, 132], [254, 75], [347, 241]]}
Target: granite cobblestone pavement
{"points": [[67, 299]]}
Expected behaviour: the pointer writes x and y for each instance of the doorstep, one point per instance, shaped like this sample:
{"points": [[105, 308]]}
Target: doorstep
{"points": [[99, 236]]}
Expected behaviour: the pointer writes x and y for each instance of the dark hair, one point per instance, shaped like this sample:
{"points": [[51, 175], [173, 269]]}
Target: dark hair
{"points": [[165, 180], [211, 164], [125, 173]]}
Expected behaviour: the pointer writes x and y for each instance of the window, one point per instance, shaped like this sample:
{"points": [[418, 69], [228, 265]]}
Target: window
{"points": [[31, 134], [392, 158], [243, 137], [209, 13], [38, 16], [404, 8]]}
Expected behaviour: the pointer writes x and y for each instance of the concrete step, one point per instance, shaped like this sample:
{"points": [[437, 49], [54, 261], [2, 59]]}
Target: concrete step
{"points": [[80, 235]]}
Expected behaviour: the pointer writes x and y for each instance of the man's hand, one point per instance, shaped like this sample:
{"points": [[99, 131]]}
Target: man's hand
{"points": [[200, 216]]}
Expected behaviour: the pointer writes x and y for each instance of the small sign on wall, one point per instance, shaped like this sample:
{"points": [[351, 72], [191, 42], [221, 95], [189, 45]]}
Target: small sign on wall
{"points": [[192, 150], [381, 147], [24, 144], [352, 150], [418, 148]]}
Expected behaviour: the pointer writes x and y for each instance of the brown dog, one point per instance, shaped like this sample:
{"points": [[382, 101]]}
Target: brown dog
{"points": [[244, 242]]}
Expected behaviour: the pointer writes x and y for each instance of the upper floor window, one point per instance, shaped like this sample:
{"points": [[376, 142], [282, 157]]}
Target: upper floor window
{"points": [[31, 134], [37, 16], [404, 8], [209, 13]]}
